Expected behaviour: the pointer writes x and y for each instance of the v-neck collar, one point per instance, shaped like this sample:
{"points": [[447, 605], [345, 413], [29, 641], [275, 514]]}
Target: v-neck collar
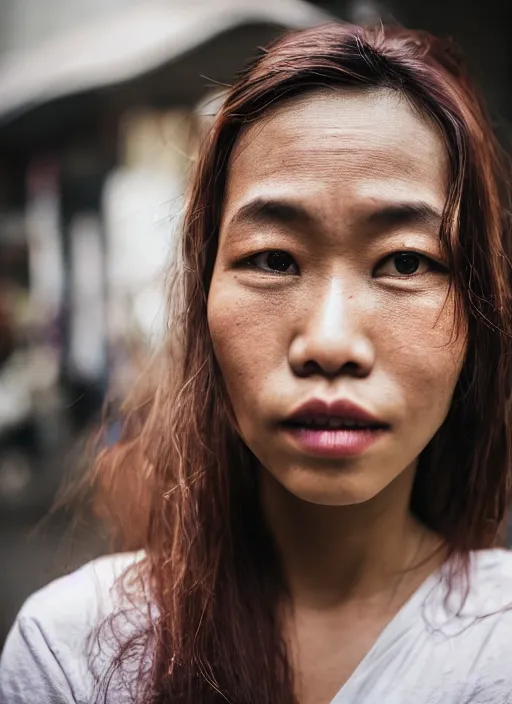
{"points": [[387, 635]]}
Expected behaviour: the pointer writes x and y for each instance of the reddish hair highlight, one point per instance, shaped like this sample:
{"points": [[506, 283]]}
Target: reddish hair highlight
{"points": [[182, 485]]}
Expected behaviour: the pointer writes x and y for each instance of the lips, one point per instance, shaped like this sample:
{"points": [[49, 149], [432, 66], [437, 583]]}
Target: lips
{"points": [[337, 430], [329, 423], [339, 414]]}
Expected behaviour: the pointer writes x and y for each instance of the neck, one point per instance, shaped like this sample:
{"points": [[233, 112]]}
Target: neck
{"points": [[333, 554]]}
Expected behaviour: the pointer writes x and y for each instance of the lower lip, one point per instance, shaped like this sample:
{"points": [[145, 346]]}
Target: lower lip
{"points": [[334, 443]]}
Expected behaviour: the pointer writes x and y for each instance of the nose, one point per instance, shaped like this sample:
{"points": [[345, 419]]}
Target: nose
{"points": [[332, 338]]}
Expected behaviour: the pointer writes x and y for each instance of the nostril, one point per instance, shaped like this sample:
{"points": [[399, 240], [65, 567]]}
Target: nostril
{"points": [[312, 367], [353, 369], [339, 353]]}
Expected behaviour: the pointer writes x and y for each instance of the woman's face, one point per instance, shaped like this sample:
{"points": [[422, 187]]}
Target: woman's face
{"points": [[329, 309]]}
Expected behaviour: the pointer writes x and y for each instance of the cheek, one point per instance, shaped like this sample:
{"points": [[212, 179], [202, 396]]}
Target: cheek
{"points": [[428, 359], [242, 338], [418, 356]]}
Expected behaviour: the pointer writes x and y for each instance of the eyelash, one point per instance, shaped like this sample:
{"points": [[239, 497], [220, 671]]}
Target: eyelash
{"points": [[433, 265]]}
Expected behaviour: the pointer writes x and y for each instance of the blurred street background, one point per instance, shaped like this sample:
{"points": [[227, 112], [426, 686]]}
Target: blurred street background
{"points": [[102, 104]]}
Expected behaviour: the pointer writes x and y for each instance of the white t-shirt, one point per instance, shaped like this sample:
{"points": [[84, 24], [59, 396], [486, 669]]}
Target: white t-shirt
{"points": [[432, 652]]}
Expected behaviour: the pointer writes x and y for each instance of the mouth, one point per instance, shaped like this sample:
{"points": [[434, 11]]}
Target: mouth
{"points": [[331, 423], [339, 429]]}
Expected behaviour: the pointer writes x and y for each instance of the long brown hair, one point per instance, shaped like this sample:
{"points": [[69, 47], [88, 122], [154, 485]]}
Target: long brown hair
{"points": [[182, 485]]}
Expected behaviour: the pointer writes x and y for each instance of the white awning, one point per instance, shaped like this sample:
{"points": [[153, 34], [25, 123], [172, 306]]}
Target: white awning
{"points": [[131, 43]]}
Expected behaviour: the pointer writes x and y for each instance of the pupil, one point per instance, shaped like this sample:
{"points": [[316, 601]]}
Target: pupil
{"points": [[407, 264], [279, 261]]}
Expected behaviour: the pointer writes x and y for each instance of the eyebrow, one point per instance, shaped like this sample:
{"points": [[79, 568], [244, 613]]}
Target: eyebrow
{"points": [[406, 213], [273, 211], [276, 211]]}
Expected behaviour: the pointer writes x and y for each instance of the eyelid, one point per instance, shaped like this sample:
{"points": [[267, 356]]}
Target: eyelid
{"points": [[434, 263], [249, 261]]}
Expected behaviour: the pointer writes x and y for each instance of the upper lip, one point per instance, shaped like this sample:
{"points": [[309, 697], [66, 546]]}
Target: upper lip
{"points": [[342, 409]]}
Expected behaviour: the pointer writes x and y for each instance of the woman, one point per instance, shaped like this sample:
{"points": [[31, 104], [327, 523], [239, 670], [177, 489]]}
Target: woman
{"points": [[318, 483]]}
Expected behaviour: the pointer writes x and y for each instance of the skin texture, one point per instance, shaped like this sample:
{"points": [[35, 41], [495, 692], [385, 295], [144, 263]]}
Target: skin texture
{"points": [[347, 326], [339, 322]]}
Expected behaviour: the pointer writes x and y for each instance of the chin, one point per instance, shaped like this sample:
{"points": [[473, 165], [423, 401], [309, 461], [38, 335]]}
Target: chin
{"points": [[325, 498], [326, 492]]}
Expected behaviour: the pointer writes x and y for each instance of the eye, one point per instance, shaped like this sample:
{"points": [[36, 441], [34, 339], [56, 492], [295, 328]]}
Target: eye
{"points": [[406, 264], [274, 261]]}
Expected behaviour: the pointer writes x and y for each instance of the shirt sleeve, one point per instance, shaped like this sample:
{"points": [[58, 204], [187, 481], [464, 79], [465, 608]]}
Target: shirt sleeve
{"points": [[29, 669]]}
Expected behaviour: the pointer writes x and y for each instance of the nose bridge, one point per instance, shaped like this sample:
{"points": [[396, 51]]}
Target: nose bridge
{"points": [[332, 315], [331, 310], [333, 332]]}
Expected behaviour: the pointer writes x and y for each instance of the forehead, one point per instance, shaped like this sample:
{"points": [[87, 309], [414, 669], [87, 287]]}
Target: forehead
{"points": [[340, 149]]}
